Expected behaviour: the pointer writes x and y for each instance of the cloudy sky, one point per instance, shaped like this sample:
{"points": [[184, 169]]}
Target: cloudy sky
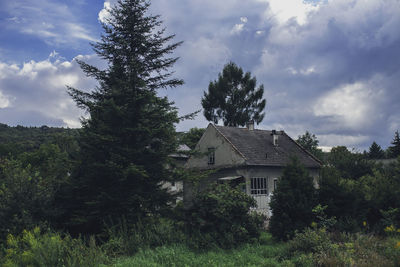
{"points": [[331, 67]]}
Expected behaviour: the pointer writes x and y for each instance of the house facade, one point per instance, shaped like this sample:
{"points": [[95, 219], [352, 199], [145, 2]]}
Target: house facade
{"points": [[251, 157]]}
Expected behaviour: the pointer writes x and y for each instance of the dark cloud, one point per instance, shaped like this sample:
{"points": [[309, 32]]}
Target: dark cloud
{"points": [[335, 74], [329, 67]]}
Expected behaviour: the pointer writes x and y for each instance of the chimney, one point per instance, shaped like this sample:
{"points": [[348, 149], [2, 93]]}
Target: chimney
{"points": [[274, 138], [250, 125]]}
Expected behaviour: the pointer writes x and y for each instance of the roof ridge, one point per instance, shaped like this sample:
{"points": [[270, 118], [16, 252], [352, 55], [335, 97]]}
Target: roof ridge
{"points": [[305, 150], [227, 139]]}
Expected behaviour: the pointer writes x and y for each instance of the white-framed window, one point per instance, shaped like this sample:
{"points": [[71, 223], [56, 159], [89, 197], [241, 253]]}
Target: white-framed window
{"points": [[275, 183], [259, 186], [211, 156]]}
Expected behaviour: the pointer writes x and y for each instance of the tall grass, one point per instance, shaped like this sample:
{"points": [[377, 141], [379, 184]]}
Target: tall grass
{"points": [[267, 254]]}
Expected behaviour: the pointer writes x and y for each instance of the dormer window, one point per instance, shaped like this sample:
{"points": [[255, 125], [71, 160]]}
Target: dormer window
{"points": [[211, 156]]}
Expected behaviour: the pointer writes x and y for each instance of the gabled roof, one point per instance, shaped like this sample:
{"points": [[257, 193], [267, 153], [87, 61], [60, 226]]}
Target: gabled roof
{"points": [[257, 148]]}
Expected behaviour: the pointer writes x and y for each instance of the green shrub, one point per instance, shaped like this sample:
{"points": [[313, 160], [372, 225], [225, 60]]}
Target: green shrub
{"points": [[34, 248], [292, 202], [220, 216], [310, 241], [327, 249]]}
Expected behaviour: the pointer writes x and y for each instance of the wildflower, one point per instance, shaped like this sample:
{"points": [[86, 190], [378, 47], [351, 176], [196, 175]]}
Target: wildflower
{"points": [[364, 223], [314, 225], [398, 245], [390, 229]]}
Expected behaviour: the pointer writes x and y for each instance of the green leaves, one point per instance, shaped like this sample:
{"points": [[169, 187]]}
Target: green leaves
{"points": [[234, 98], [222, 214], [292, 201]]}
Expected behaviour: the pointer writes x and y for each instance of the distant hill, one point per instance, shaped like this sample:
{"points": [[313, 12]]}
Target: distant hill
{"points": [[19, 139]]}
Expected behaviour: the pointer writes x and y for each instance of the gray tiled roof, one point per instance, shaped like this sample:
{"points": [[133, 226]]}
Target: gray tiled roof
{"points": [[257, 147]]}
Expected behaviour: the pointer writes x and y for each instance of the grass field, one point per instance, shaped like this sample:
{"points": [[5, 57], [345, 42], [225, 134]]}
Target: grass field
{"points": [[269, 254], [308, 249]]}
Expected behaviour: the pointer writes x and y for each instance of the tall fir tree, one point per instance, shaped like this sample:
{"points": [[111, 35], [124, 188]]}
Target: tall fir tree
{"points": [[130, 133], [394, 150], [292, 201], [375, 151], [234, 98]]}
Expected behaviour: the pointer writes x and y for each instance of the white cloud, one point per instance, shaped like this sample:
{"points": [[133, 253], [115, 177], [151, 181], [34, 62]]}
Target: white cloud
{"points": [[104, 14], [53, 22], [330, 67], [238, 28], [4, 102], [351, 104], [284, 10], [79, 32], [243, 19], [38, 88], [351, 141]]}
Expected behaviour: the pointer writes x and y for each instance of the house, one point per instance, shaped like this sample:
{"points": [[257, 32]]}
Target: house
{"points": [[179, 159], [255, 158]]}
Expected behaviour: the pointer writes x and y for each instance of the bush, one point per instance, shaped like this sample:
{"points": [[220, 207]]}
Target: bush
{"points": [[28, 188], [292, 202], [34, 248], [338, 249], [220, 216], [310, 241]]}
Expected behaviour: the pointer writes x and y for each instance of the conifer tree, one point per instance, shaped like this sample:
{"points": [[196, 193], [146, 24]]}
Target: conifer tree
{"points": [[394, 150], [375, 151], [292, 201], [234, 98], [126, 141]]}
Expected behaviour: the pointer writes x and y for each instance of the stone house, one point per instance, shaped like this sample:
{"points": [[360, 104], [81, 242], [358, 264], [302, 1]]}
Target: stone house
{"points": [[251, 157]]}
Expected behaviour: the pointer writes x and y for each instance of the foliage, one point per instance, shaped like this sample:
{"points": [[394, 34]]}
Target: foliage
{"points": [[372, 199], [192, 137], [323, 221], [234, 98], [333, 249], [350, 165], [343, 198], [268, 254], [308, 248], [36, 248], [375, 151], [310, 241], [394, 150], [220, 215], [126, 239], [310, 142], [19, 139], [130, 133], [28, 188], [292, 201]]}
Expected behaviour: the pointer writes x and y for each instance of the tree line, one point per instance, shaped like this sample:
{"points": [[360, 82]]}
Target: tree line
{"points": [[106, 179]]}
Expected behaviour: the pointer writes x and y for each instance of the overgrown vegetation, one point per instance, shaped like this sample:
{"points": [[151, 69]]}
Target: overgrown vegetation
{"points": [[94, 196], [292, 202], [220, 217]]}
